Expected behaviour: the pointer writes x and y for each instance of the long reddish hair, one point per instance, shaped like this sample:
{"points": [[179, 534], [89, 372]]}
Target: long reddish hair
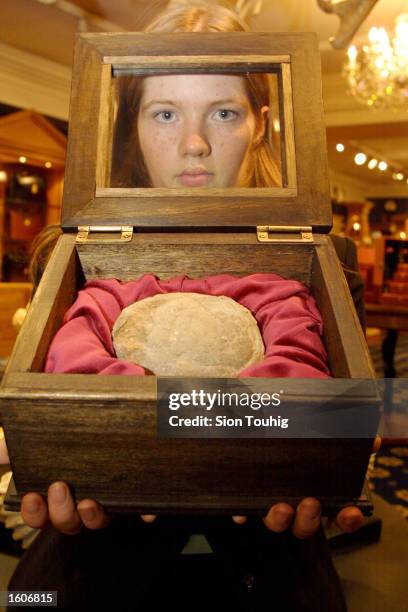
{"points": [[128, 167]]}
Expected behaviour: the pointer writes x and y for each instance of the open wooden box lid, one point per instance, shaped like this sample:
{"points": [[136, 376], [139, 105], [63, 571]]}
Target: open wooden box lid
{"points": [[303, 198]]}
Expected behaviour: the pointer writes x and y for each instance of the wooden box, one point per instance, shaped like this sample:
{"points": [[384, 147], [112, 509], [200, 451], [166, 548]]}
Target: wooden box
{"points": [[98, 432]]}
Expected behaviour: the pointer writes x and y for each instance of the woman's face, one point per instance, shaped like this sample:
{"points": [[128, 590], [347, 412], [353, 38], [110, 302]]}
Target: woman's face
{"points": [[196, 130]]}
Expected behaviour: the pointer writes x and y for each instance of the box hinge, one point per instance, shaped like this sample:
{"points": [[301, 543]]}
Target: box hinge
{"points": [[284, 233], [100, 234]]}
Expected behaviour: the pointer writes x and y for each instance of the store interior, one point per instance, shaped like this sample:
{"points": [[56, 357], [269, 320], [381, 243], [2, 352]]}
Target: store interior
{"points": [[364, 60]]}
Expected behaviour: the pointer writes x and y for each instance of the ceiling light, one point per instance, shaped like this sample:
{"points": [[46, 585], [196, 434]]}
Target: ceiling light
{"points": [[27, 180], [399, 176], [3, 176], [360, 159], [372, 163], [48, 164], [340, 147], [22, 159], [403, 235], [352, 53], [356, 226], [382, 166], [377, 71]]}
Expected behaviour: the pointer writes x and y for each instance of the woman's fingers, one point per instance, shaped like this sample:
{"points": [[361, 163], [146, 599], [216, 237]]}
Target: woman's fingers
{"points": [[93, 514], [4, 458], [377, 444], [34, 511], [307, 520], [61, 509], [240, 520], [62, 512], [279, 517], [350, 519], [148, 518]]}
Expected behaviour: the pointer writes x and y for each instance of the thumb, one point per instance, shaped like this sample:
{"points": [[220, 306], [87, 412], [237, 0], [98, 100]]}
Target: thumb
{"points": [[240, 520], [148, 518], [4, 458]]}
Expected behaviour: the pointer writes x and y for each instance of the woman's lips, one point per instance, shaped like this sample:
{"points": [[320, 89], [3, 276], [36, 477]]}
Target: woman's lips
{"points": [[196, 178]]}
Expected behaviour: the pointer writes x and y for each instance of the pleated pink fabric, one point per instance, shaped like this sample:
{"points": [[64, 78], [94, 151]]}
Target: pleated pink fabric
{"points": [[289, 320]]}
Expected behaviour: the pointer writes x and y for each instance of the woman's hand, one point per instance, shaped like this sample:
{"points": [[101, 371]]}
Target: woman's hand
{"points": [[4, 458], [61, 511], [305, 520]]}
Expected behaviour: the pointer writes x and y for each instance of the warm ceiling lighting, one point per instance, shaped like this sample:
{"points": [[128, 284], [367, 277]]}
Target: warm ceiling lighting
{"points": [[403, 235], [356, 226], [382, 166], [399, 176], [360, 159], [340, 147], [352, 53], [48, 164], [22, 159], [376, 70], [372, 163], [3, 176]]}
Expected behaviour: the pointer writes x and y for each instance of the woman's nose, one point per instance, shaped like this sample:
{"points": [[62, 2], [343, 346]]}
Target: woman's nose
{"points": [[194, 143]]}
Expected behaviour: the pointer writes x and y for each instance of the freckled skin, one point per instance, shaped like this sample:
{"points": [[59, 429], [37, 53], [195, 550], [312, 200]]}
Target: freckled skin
{"points": [[196, 121]]}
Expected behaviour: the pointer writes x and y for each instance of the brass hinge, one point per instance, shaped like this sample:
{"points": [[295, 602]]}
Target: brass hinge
{"points": [[284, 233], [84, 231]]}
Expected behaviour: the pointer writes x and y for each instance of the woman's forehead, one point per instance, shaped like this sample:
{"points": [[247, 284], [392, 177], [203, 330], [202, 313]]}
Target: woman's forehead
{"points": [[202, 87]]}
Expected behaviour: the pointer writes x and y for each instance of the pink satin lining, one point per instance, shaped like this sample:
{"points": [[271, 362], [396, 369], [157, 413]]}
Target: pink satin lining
{"points": [[289, 320]]}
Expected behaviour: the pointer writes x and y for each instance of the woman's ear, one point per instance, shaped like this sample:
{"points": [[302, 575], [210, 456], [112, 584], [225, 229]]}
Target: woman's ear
{"points": [[261, 125]]}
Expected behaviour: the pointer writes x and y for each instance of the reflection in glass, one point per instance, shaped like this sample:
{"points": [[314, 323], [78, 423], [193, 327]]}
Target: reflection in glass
{"points": [[196, 130]]}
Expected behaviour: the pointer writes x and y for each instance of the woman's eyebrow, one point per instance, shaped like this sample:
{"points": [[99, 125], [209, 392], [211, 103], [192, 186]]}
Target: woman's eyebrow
{"points": [[160, 101], [235, 100]]}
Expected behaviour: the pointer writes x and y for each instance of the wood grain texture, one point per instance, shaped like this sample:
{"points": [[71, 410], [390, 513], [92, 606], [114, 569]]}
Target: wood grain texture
{"points": [[108, 450], [343, 336], [203, 63], [134, 44], [105, 129], [99, 432], [288, 136], [168, 256], [252, 193], [56, 292], [309, 205], [36, 386], [80, 169]]}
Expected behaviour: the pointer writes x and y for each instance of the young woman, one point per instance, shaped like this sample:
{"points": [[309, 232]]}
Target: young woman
{"points": [[224, 119], [194, 131]]}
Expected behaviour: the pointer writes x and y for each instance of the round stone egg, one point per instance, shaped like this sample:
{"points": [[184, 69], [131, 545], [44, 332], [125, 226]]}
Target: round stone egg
{"points": [[188, 334]]}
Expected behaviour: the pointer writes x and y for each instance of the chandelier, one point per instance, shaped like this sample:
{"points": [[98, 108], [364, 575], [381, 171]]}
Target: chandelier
{"points": [[377, 72]]}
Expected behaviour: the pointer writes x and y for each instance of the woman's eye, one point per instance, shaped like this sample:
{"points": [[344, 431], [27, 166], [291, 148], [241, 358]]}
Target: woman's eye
{"points": [[225, 114], [165, 116]]}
